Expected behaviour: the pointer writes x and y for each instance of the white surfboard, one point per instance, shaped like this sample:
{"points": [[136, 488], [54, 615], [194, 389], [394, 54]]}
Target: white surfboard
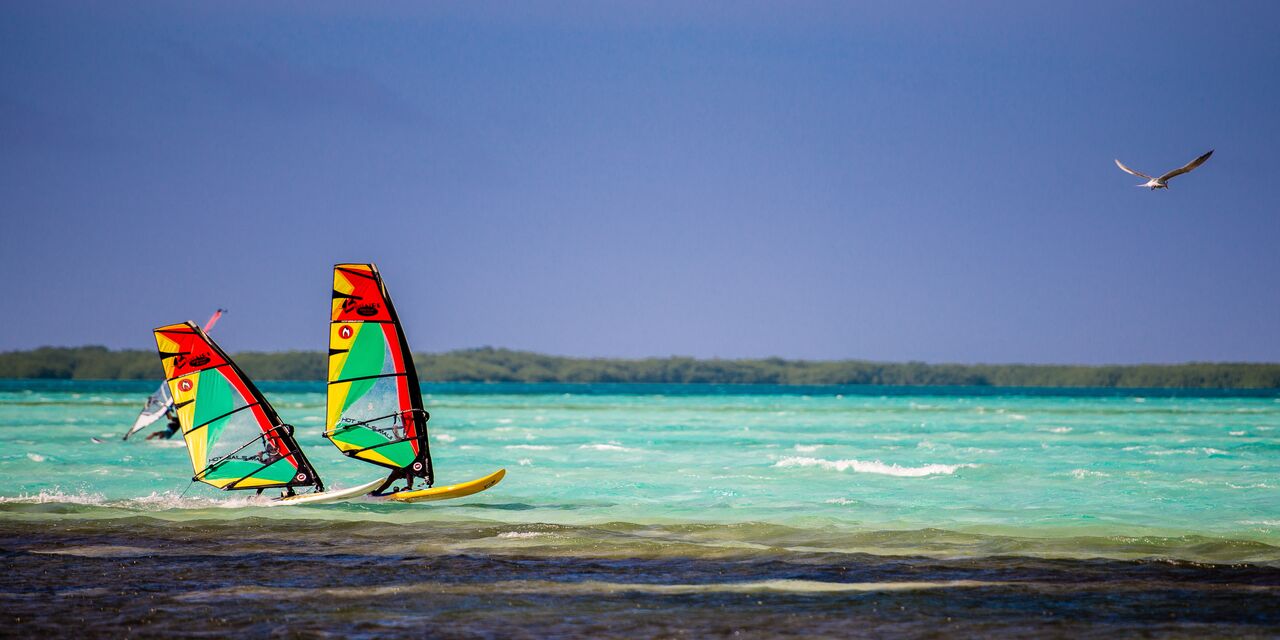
{"points": [[336, 495]]}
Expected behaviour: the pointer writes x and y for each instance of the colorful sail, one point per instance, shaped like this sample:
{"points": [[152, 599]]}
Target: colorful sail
{"points": [[159, 402], [234, 437], [374, 402]]}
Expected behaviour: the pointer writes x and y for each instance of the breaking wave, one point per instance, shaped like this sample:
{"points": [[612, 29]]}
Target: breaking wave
{"points": [[875, 466]]}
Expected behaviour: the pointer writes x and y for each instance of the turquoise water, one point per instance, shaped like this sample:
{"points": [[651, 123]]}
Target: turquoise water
{"points": [[638, 510], [833, 462]]}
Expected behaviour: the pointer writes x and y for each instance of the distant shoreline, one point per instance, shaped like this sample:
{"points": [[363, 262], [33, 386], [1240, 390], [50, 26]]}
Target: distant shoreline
{"points": [[503, 365]]}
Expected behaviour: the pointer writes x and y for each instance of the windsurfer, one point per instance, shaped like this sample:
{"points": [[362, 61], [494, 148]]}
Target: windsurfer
{"points": [[173, 427]]}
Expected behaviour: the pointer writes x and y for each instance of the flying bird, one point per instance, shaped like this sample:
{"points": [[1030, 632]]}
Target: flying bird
{"points": [[1163, 181]]}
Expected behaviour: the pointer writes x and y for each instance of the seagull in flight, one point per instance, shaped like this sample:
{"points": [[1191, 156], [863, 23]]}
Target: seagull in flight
{"points": [[1163, 181]]}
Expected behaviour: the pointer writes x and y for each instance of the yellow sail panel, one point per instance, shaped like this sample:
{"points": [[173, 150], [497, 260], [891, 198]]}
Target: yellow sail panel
{"points": [[183, 391], [335, 402], [166, 345], [341, 336]]}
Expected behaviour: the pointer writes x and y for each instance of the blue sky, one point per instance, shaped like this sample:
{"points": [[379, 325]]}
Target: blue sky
{"points": [[927, 181]]}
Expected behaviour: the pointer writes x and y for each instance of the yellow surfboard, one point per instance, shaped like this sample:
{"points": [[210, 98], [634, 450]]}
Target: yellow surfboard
{"points": [[450, 491]]}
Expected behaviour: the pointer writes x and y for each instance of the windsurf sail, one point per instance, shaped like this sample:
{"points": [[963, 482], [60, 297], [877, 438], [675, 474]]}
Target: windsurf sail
{"points": [[374, 410], [235, 438], [157, 405], [159, 402]]}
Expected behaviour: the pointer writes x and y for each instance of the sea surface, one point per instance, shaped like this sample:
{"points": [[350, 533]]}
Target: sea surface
{"points": [[667, 510]]}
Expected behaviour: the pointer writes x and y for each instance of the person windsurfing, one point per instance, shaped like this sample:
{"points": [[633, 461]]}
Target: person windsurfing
{"points": [[160, 404], [173, 427]]}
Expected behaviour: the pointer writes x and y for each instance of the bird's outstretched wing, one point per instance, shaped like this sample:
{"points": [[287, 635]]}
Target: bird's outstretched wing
{"points": [[1136, 173], [1189, 166]]}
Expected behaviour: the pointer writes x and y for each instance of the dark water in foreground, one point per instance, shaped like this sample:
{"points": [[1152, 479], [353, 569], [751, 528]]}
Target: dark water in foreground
{"points": [[142, 576]]}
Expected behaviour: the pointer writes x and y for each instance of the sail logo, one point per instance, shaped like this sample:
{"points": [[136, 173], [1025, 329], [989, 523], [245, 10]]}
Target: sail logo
{"points": [[185, 385], [345, 332], [367, 310], [200, 360]]}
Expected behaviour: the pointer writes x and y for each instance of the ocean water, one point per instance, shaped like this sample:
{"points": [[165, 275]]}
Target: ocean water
{"points": [[669, 509]]}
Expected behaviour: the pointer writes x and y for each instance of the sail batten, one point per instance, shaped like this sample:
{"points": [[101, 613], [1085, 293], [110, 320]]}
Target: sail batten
{"points": [[374, 409], [234, 437]]}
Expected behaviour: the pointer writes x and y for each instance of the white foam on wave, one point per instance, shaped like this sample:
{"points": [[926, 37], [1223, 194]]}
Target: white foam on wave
{"points": [[530, 447], [167, 444], [1236, 433], [35, 457], [808, 448], [841, 501], [1081, 474], [56, 496], [155, 501], [523, 534], [1060, 430], [876, 466], [1190, 451], [605, 447], [444, 437], [525, 462]]}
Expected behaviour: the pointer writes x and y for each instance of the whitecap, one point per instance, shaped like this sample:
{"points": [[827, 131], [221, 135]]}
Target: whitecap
{"points": [[523, 534], [444, 437], [1060, 430], [605, 447], [35, 457], [56, 496], [841, 501], [808, 448], [530, 447], [1235, 433], [525, 462], [1081, 474], [167, 444], [860, 466]]}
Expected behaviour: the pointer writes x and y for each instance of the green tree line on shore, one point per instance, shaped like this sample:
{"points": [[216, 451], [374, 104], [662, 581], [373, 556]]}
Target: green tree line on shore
{"points": [[504, 365]]}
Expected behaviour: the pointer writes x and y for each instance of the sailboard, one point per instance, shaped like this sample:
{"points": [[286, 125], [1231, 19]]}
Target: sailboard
{"points": [[159, 402], [374, 408], [234, 437]]}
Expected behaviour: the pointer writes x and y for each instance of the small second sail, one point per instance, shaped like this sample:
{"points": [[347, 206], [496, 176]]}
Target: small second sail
{"points": [[235, 438], [159, 402], [374, 402]]}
